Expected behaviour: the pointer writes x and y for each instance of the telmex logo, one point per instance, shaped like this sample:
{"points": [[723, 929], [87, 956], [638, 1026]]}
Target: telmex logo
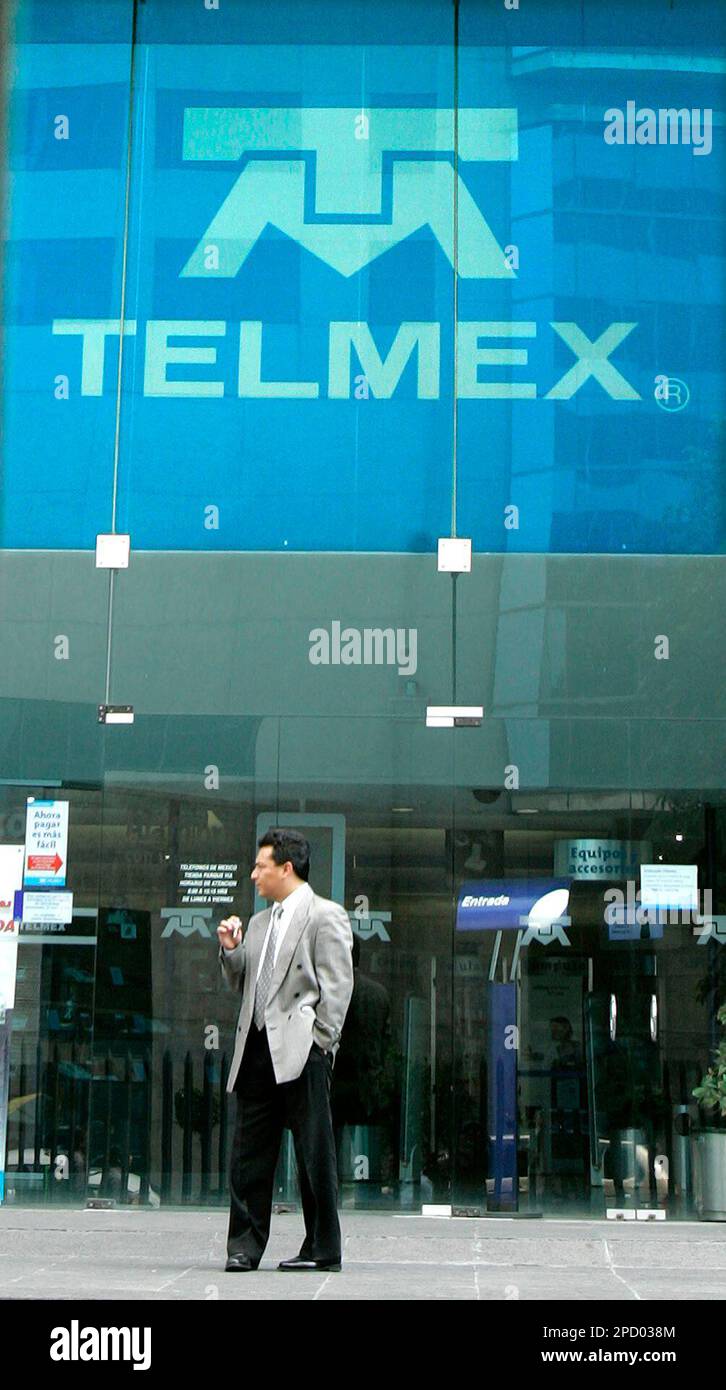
{"points": [[380, 176], [186, 921], [348, 186]]}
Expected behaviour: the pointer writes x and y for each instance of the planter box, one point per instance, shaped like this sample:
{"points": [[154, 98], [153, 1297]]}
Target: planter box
{"points": [[708, 1149]]}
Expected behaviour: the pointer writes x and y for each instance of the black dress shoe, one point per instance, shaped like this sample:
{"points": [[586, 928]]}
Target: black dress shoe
{"points": [[302, 1262], [238, 1264]]}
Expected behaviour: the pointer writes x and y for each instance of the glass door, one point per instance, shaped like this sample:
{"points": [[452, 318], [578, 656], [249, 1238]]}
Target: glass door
{"points": [[583, 1018], [374, 797]]}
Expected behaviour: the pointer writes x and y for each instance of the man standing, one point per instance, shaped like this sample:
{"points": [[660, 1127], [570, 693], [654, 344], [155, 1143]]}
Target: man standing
{"points": [[294, 970]]}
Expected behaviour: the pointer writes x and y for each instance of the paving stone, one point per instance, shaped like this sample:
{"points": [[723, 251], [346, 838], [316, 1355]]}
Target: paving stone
{"points": [[178, 1255]]}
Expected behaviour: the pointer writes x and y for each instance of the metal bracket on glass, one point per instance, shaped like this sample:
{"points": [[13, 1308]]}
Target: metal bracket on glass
{"points": [[453, 716], [112, 552], [115, 714], [454, 555]]}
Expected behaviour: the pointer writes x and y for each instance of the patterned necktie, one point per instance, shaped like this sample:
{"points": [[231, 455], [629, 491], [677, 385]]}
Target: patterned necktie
{"points": [[264, 979]]}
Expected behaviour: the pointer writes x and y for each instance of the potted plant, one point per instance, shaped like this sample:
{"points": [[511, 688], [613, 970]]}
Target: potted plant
{"points": [[709, 1144]]}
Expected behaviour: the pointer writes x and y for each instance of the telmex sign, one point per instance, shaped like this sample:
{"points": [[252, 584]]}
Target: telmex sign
{"points": [[348, 186]]}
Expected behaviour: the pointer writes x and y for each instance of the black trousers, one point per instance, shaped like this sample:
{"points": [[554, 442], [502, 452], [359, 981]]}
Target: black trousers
{"points": [[264, 1109]]}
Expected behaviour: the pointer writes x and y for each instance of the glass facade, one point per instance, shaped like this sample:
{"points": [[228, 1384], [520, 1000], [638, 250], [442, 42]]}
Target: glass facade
{"points": [[291, 292]]}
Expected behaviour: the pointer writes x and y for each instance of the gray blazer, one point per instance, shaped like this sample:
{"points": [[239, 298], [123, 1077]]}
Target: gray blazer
{"points": [[311, 984]]}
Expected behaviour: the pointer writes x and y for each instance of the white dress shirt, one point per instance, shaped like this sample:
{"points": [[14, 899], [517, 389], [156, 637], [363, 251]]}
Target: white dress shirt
{"points": [[289, 907]]}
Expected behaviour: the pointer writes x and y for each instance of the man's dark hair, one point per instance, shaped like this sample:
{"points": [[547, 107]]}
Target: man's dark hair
{"points": [[288, 844]]}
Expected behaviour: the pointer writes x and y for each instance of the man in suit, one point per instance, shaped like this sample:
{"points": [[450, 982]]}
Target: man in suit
{"points": [[294, 970]]}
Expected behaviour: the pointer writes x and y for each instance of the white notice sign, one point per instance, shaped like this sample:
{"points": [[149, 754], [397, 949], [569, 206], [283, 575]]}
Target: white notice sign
{"points": [[47, 907], [669, 885], [11, 875]]}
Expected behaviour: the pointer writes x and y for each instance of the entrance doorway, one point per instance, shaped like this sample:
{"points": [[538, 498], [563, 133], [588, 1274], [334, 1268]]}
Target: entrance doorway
{"points": [[580, 1032]]}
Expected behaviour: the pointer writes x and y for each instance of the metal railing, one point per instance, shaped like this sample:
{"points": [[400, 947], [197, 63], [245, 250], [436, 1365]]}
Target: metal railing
{"points": [[108, 1125]]}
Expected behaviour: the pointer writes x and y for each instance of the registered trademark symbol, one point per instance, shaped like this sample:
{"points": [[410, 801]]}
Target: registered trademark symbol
{"points": [[671, 393]]}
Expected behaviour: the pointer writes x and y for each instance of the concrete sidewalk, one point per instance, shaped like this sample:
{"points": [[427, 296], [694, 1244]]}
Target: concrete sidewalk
{"points": [[173, 1255]]}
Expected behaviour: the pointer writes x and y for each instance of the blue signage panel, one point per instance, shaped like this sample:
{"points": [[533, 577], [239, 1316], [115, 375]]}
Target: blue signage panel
{"points": [[511, 903], [502, 1110], [291, 367]]}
